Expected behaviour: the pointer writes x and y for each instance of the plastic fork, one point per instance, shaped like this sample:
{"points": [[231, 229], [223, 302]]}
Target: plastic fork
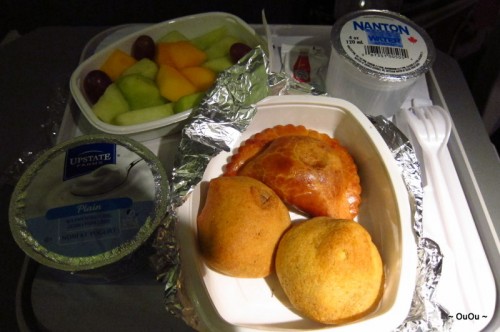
{"points": [[431, 126]]}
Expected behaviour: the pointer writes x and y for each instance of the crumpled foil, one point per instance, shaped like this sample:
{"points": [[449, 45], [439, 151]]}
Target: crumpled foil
{"points": [[425, 314], [215, 125]]}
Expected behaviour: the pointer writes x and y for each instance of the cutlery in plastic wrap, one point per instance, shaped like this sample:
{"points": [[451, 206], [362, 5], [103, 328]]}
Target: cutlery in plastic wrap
{"points": [[468, 278]]}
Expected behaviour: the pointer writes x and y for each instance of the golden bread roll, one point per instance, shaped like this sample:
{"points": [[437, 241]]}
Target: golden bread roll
{"points": [[240, 226], [308, 170], [330, 270]]}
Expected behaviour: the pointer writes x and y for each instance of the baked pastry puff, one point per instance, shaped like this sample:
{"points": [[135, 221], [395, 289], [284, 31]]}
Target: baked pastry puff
{"points": [[308, 170], [240, 226], [330, 270]]}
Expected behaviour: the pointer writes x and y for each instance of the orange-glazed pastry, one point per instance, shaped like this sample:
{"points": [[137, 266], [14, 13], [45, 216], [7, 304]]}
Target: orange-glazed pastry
{"points": [[308, 170]]}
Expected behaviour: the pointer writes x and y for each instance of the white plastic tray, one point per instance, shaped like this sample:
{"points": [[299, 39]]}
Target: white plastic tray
{"points": [[74, 124]]}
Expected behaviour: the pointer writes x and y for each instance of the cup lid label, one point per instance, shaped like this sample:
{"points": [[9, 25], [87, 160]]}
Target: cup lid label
{"points": [[88, 202], [86, 158], [383, 45]]}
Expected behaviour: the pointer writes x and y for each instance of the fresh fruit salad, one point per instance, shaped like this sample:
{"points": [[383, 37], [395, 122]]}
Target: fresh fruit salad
{"points": [[156, 79]]}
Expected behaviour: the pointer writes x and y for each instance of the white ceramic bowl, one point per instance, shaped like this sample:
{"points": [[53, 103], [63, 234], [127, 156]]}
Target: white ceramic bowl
{"points": [[190, 26], [232, 304]]}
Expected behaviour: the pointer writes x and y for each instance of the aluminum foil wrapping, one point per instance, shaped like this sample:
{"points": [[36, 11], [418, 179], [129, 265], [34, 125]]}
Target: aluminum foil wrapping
{"points": [[217, 122], [225, 112], [425, 314]]}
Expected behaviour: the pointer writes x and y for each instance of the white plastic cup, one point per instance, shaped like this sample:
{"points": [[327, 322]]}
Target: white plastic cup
{"points": [[376, 58]]}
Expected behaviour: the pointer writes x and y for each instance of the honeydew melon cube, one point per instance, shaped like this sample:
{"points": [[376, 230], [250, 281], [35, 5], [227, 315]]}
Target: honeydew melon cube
{"points": [[145, 67], [172, 36], [139, 91], [218, 64], [221, 48], [144, 115], [110, 104], [188, 102], [206, 40]]}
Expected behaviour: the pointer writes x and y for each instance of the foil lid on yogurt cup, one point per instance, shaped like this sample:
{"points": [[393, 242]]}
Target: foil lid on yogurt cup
{"points": [[88, 202], [383, 45]]}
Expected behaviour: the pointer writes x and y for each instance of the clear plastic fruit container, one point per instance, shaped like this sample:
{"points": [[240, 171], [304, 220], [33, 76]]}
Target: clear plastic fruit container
{"points": [[191, 27]]}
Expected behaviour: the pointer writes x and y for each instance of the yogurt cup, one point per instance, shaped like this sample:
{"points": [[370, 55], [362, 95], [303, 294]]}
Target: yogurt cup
{"points": [[376, 57], [89, 204]]}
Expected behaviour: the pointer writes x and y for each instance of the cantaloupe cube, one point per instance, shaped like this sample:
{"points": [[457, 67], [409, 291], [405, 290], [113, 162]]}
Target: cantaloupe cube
{"points": [[180, 54], [201, 77], [172, 84], [117, 62], [163, 54]]}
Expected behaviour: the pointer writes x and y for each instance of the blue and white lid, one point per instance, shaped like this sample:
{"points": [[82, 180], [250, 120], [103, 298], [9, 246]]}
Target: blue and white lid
{"points": [[384, 45], [88, 202]]}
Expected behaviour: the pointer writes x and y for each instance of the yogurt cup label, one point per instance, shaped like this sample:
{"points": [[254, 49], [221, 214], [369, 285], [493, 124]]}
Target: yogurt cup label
{"points": [[89, 228], [88, 202], [87, 157], [383, 44], [90, 211]]}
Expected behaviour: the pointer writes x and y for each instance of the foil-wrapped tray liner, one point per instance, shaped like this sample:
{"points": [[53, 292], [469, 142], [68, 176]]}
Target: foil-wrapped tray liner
{"points": [[222, 116]]}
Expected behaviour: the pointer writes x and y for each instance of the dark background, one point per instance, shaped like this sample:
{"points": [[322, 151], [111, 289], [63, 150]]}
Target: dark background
{"points": [[467, 30]]}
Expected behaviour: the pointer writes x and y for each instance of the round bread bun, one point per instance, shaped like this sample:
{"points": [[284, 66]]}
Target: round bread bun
{"points": [[330, 270], [240, 226]]}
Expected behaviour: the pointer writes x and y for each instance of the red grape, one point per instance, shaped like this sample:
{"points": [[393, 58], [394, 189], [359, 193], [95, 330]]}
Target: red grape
{"points": [[95, 83], [144, 47], [238, 51]]}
